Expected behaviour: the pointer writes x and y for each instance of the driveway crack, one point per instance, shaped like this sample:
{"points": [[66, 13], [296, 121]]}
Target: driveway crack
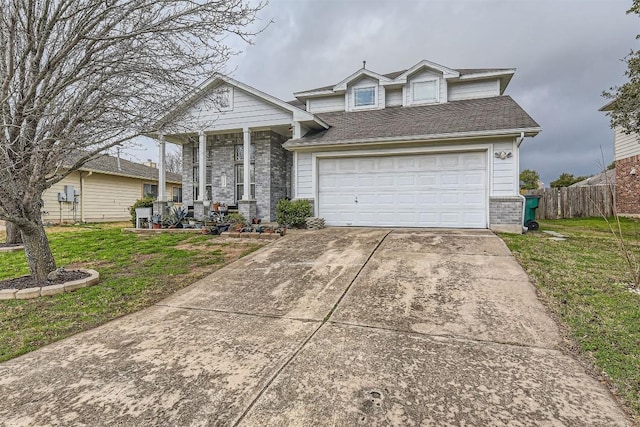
{"points": [[299, 349]]}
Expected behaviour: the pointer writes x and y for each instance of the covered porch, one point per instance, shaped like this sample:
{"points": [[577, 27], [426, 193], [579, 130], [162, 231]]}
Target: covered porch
{"points": [[245, 169]]}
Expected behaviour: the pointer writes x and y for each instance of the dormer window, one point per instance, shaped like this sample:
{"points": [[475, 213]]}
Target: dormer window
{"points": [[425, 91], [364, 97]]}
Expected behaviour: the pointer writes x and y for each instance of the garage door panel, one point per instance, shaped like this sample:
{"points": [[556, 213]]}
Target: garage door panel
{"points": [[451, 199], [435, 190], [368, 181], [474, 161], [450, 178]]}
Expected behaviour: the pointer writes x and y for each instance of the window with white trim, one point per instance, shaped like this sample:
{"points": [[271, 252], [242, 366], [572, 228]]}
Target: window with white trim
{"points": [[426, 91], [364, 97]]}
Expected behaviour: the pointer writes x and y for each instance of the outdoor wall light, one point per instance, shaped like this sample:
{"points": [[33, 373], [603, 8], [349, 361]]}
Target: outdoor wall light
{"points": [[632, 172], [223, 180], [503, 155]]}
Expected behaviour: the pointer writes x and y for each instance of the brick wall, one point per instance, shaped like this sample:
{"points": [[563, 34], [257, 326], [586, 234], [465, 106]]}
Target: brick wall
{"points": [[505, 210], [628, 186]]}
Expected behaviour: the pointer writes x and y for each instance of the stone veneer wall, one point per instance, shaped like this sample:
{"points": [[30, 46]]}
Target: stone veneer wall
{"points": [[187, 172], [224, 164], [628, 186], [505, 214], [281, 160], [272, 170]]}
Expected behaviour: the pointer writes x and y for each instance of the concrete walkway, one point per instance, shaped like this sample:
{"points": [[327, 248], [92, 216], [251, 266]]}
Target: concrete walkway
{"points": [[335, 327]]}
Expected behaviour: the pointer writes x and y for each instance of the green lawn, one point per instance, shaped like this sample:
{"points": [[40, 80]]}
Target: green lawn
{"points": [[585, 281], [136, 271]]}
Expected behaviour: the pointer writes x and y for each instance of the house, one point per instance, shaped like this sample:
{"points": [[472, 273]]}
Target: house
{"points": [[103, 189], [605, 178], [626, 153], [428, 146]]}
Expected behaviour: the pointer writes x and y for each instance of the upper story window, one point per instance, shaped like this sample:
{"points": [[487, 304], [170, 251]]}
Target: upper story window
{"points": [[364, 97], [426, 91]]}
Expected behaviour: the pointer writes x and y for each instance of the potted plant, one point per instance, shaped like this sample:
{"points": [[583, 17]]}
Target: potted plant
{"points": [[176, 217], [156, 220]]}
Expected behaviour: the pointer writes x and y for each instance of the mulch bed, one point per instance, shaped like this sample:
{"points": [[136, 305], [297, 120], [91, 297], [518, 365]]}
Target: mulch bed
{"points": [[25, 282]]}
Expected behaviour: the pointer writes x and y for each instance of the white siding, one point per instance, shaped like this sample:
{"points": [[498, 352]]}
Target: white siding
{"points": [[504, 180], [625, 145], [394, 97], [425, 75], [326, 104], [248, 110], [304, 176], [475, 89], [365, 82]]}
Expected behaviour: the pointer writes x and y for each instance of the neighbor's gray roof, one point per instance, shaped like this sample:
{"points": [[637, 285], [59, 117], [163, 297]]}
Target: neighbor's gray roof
{"points": [[393, 75], [604, 178], [467, 116], [109, 165]]}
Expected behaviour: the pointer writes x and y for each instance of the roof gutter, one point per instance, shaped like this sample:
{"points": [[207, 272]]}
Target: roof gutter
{"points": [[533, 131]]}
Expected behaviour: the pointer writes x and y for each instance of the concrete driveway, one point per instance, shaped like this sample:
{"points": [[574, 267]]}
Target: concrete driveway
{"points": [[333, 327]]}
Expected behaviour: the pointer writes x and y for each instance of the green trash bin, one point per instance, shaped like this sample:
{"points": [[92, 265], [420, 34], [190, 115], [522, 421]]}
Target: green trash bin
{"points": [[530, 206]]}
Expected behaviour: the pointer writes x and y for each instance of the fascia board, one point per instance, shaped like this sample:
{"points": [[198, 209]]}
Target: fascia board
{"points": [[446, 72], [530, 132], [362, 72]]}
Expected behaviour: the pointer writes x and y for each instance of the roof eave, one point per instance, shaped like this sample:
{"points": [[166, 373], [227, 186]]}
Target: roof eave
{"points": [[529, 132], [298, 113], [608, 106], [125, 175]]}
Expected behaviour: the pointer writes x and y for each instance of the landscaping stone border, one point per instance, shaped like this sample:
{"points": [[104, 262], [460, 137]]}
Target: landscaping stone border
{"points": [[94, 277], [261, 236], [12, 248]]}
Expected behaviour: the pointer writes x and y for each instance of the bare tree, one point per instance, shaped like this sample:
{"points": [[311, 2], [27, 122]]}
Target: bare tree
{"points": [[80, 76], [173, 162], [14, 236]]}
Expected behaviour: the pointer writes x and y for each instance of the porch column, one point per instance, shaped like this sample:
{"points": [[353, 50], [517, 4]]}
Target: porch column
{"points": [[161, 170], [247, 165], [202, 166]]}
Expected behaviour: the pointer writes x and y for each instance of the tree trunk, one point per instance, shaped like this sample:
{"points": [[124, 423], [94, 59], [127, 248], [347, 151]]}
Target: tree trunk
{"points": [[36, 247], [14, 236]]}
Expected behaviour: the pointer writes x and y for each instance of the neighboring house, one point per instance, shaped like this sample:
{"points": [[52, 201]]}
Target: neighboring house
{"points": [[626, 153], [429, 146], [604, 178], [103, 190]]}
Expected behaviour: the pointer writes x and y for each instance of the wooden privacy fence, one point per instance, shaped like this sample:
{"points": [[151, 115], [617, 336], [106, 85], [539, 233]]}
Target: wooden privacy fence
{"points": [[575, 202]]}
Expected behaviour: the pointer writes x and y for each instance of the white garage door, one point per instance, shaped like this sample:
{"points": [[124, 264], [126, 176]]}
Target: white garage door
{"points": [[426, 190]]}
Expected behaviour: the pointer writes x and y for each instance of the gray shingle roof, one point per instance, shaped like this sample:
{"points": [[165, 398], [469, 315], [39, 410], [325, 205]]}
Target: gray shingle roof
{"points": [[604, 178], [109, 165], [393, 75], [467, 116]]}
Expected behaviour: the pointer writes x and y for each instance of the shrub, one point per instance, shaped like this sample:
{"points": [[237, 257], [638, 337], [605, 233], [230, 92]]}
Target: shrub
{"points": [[293, 213], [145, 202], [235, 218]]}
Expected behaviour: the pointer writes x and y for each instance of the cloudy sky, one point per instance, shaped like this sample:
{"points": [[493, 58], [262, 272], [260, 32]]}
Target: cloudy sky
{"points": [[566, 53]]}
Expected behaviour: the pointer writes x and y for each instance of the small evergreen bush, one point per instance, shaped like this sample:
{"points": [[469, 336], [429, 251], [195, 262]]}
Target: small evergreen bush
{"points": [[145, 202], [235, 218], [293, 213]]}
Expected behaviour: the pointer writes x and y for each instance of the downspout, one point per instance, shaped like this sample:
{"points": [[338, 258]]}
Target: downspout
{"points": [[524, 199]]}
